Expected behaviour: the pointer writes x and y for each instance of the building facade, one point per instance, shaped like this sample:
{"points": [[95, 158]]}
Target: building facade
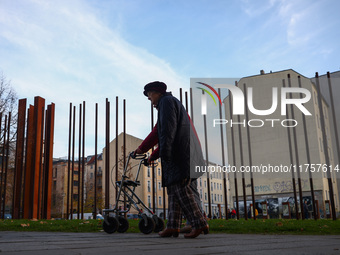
{"points": [[278, 143]]}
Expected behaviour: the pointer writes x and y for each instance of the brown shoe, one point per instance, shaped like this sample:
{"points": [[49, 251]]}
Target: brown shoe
{"points": [[196, 232], [186, 229], [168, 232]]}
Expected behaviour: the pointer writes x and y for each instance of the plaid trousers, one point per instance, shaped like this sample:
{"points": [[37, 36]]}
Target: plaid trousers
{"points": [[183, 198]]}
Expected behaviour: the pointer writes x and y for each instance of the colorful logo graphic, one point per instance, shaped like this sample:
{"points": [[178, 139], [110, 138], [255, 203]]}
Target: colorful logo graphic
{"points": [[212, 89], [204, 97]]}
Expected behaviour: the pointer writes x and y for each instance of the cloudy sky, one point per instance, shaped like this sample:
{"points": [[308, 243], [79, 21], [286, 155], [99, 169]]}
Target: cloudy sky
{"points": [[70, 51]]}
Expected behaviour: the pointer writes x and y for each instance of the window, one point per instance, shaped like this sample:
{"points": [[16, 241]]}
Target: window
{"points": [[91, 175], [201, 182], [159, 186], [205, 196], [149, 201], [159, 172], [205, 184], [149, 186], [160, 200], [54, 199], [75, 183], [220, 186], [54, 185], [148, 171], [54, 175]]}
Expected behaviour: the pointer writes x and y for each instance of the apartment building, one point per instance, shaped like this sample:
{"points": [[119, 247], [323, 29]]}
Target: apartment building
{"points": [[270, 145], [217, 197], [60, 188]]}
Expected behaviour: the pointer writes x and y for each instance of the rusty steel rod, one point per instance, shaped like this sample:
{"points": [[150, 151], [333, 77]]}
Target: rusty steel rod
{"points": [[107, 156], [243, 177], [325, 145], [249, 153], [6, 153], [291, 159], [69, 163], [334, 117], [24, 166], [73, 147], [153, 168], [28, 194], [40, 162], [19, 159], [6, 158], [207, 160], [186, 102], [124, 147], [48, 164], [234, 156], [180, 95], [94, 212], [308, 157], [296, 153], [79, 161], [3, 186], [223, 162], [38, 120], [191, 107], [83, 165], [116, 150]]}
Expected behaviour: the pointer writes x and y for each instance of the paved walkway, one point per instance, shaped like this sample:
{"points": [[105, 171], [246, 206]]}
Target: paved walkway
{"points": [[47, 243]]}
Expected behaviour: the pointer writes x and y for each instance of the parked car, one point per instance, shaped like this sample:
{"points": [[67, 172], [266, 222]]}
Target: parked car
{"points": [[99, 217], [8, 216]]}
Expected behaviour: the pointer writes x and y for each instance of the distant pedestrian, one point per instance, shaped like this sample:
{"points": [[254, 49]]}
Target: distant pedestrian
{"points": [[233, 213], [305, 209]]}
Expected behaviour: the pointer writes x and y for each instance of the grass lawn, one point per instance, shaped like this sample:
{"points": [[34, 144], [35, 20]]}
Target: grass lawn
{"points": [[271, 226]]}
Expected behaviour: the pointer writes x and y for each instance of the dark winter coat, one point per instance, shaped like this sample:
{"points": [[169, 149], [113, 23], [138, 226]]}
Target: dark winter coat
{"points": [[179, 147]]}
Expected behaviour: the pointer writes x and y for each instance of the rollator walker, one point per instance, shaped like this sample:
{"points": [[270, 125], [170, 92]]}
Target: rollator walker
{"points": [[114, 219]]}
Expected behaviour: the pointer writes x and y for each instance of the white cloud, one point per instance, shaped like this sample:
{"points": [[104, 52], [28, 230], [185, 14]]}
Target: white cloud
{"points": [[61, 50], [257, 8]]}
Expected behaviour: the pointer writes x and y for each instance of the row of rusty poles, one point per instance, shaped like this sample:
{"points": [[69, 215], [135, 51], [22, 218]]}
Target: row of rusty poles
{"points": [[107, 158], [4, 161]]}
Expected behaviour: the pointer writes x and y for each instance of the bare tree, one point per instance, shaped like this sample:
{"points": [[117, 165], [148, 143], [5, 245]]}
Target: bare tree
{"points": [[8, 104]]}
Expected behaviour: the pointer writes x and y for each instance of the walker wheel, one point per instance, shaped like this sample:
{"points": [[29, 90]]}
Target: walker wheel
{"points": [[148, 227], [160, 225], [110, 225], [123, 224]]}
